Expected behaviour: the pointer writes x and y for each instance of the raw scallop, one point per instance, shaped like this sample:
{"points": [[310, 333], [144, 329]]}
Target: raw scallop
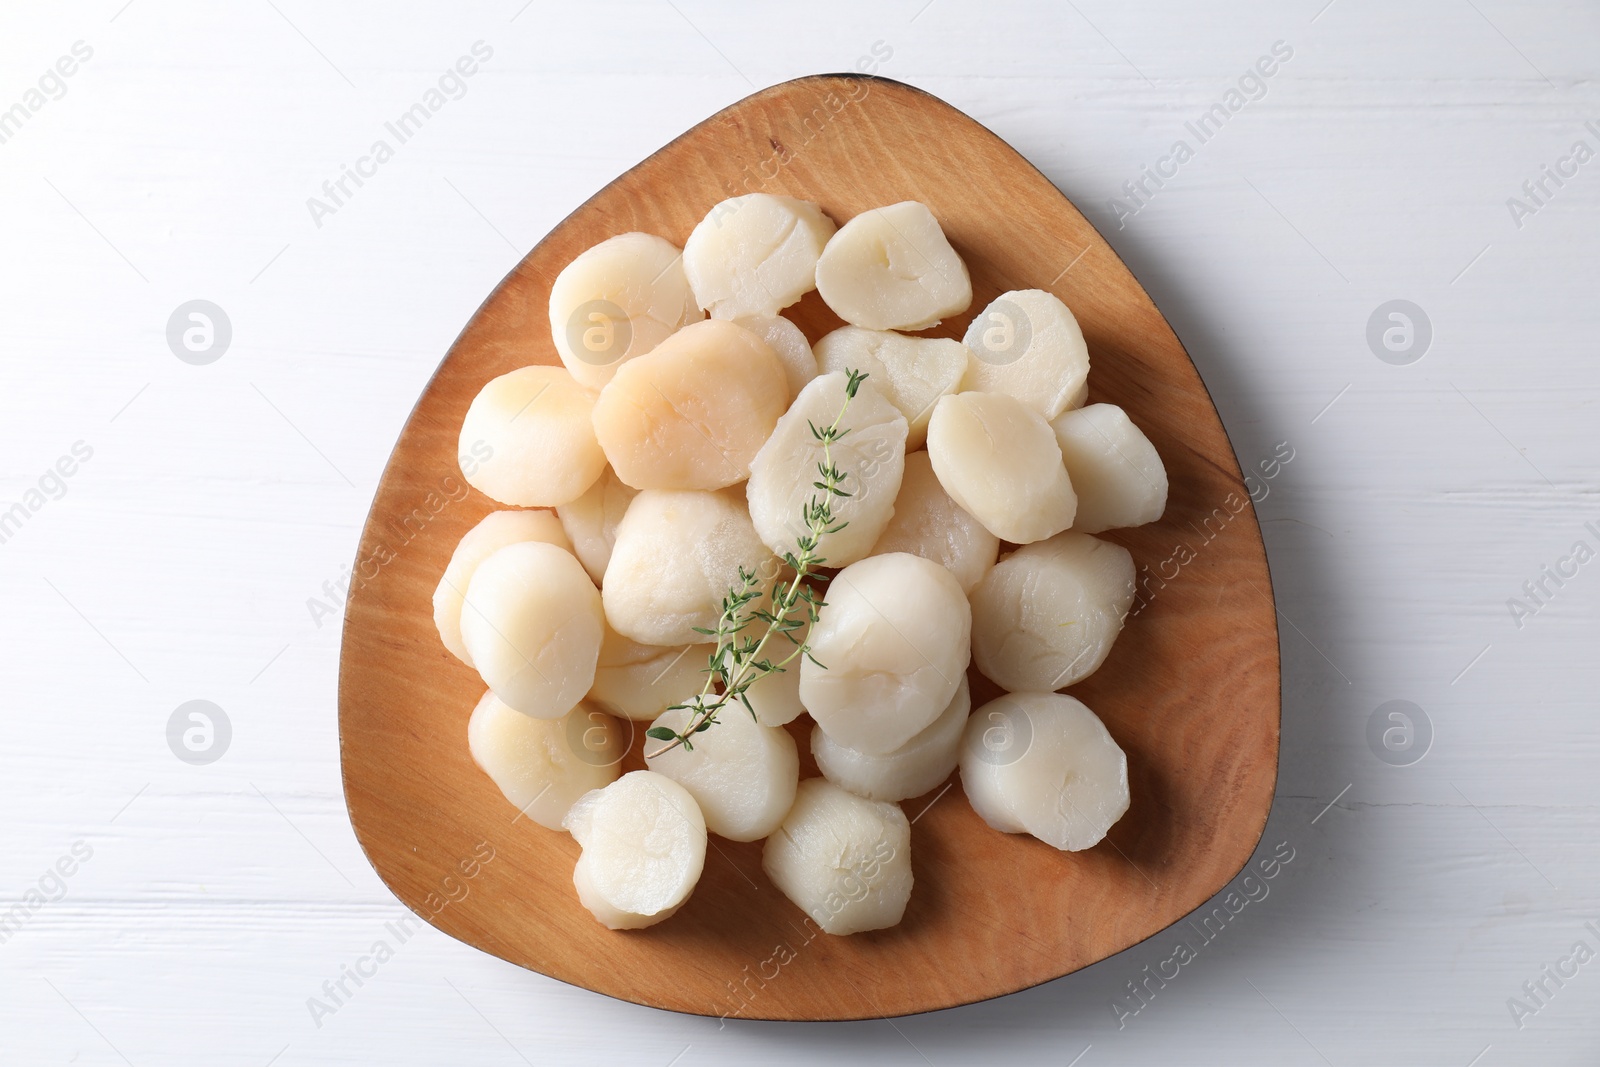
{"points": [[742, 774], [497, 530], [533, 624], [616, 301], [639, 682], [644, 846], [755, 254], [1115, 471], [1027, 344], [1043, 764], [913, 372], [535, 424], [692, 413], [892, 268], [910, 770], [888, 651], [929, 524], [1046, 616], [789, 344], [677, 554], [871, 454], [842, 859], [999, 460], [544, 765], [591, 521]]}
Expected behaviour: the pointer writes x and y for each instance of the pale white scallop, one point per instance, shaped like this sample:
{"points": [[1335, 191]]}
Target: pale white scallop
{"points": [[929, 524], [644, 846], [892, 268], [775, 698], [639, 682], [910, 770], [844, 860], [535, 422], [677, 554], [543, 766], [888, 651], [591, 521], [1027, 344], [913, 372], [532, 623], [1047, 615], [1119, 478], [692, 413], [616, 301], [1044, 764], [999, 460], [789, 344], [742, 774], [755, 254], [871, 455], [496, 530]]}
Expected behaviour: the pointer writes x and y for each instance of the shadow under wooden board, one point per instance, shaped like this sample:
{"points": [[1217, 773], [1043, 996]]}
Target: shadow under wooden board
{"points": [[1191, 690]]}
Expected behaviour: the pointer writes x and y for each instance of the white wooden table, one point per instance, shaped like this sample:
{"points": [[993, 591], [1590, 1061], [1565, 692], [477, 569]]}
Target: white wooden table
{"points": [[211, 507]]}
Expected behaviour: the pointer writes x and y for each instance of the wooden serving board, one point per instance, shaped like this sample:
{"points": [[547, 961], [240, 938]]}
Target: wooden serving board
{"points": [[1191, 690]]}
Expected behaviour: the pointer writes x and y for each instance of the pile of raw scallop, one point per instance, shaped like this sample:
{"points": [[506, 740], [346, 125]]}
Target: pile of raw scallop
{"points": [[674, 448]]}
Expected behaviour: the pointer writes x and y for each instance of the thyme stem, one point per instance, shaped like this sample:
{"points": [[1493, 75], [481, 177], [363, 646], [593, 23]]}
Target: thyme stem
{"points": [[737, 662]]}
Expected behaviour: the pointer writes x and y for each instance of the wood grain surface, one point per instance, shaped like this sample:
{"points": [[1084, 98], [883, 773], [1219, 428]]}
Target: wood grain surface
{"points": [[1191, 690]]}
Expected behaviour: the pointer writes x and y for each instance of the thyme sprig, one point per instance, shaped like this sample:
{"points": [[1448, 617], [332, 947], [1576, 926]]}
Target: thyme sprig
{"points": [[741, 659]]}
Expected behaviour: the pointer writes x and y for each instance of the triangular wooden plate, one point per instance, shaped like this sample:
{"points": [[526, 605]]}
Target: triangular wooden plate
{"points": [[1190, 691]]}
